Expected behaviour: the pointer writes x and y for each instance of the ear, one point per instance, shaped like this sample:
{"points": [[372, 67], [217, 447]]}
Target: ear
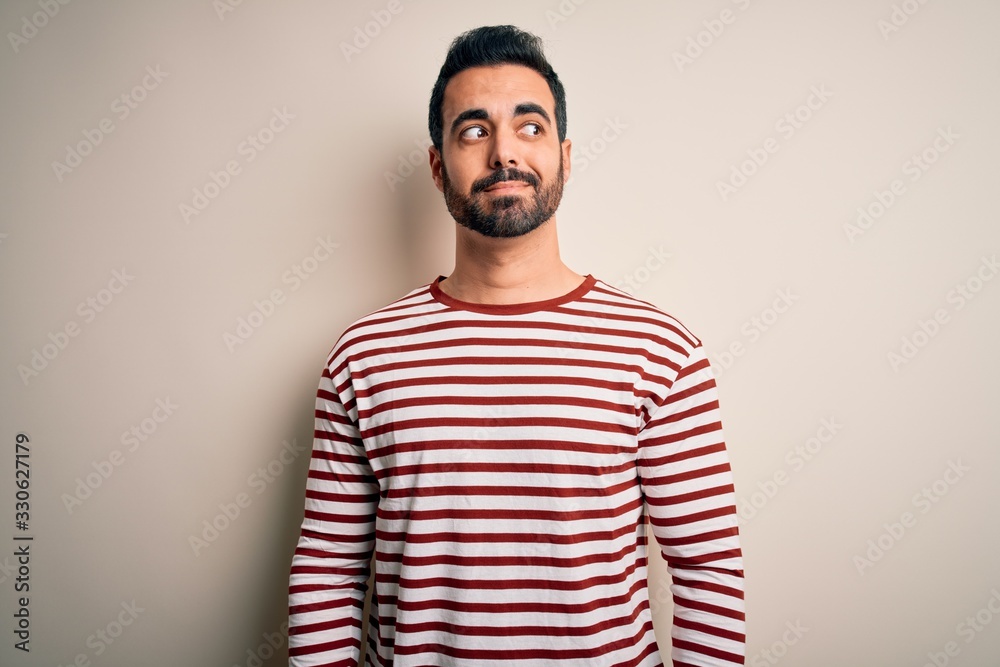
{"points": [[436, 164], [567, 146]]}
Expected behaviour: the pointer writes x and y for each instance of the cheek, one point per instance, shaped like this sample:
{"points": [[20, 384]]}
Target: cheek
{"points": [[546, 159], [548, 169], [460, 179]]}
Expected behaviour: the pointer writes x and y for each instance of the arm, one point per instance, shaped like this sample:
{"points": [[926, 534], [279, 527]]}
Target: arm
{"points": [[688, 485], [330, 567]]}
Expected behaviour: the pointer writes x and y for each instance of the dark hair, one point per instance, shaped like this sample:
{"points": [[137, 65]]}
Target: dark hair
{"points": [[490, 46]]}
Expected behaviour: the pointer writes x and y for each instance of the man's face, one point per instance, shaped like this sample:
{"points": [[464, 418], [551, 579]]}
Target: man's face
{"points": [[505, 166]]}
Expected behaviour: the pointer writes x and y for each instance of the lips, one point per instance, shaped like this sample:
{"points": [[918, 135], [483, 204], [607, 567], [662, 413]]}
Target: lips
{"points": [[507, 185]]}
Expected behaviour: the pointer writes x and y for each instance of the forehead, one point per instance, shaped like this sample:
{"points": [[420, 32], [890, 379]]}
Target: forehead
{"points": [[496, 89]]}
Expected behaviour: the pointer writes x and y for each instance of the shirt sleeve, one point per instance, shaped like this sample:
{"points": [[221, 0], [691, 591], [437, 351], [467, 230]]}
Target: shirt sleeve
{"points": [[331, 563], [688, 485]]}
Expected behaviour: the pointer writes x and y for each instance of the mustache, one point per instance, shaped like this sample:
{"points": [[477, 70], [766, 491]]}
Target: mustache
{"points": [[503, 175]]}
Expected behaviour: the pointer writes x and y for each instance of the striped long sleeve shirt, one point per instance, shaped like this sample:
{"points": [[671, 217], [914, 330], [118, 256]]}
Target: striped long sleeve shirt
{"points": [[504, 464]]}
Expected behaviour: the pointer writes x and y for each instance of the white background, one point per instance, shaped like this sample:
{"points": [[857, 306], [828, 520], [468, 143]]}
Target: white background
{"points": [[650, 186]]}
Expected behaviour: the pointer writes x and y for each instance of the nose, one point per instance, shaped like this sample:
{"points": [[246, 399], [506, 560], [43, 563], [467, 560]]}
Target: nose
{"points": [[504, 151]]}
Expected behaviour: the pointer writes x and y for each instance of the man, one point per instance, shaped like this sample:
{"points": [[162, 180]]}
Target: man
{"points": [[499, 437]]}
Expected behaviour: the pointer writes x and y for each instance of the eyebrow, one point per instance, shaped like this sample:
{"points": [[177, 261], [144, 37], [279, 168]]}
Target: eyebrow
{"points": [[522, 109]]}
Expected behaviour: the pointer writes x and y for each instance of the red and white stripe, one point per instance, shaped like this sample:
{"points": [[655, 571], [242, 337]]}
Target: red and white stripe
{"points": [[501, 462]]}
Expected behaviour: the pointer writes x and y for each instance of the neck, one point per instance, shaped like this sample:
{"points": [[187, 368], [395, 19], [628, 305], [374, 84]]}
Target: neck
{"points": [[509, 270]]}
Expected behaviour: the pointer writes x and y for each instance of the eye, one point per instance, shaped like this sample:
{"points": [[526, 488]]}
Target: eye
{"points": [[465, 134], [537, 126]]}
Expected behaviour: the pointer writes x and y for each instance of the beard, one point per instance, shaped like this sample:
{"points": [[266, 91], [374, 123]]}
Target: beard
{"points": [[504, 216]]}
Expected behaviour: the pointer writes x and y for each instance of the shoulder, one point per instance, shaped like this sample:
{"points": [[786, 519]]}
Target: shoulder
{"points": [[391, 321], [641, 319]]}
